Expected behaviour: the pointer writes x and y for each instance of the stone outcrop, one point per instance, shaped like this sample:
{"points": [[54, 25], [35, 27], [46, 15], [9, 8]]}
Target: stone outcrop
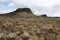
{"points": [[44, 15]]}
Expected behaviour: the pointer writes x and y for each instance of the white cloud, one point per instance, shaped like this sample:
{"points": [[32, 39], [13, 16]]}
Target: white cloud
{"points": [[11, 5], [8, 7], [5, 11], [54, 11], [40, 7], [43, 3], [2, 0]]}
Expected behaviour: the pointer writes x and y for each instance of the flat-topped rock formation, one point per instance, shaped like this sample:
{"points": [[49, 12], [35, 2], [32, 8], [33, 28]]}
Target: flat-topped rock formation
{"points": [[17, 11], [28, 10]]}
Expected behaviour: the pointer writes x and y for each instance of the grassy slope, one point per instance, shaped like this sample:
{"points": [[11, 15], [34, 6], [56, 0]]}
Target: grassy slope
{"points": [[36, 28]]}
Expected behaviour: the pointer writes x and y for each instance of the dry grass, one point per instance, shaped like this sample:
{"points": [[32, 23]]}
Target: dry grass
{"points": [[26, 26]]}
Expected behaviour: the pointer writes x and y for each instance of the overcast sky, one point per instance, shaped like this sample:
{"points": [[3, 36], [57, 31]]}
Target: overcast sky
{"points": [[38, 7]]}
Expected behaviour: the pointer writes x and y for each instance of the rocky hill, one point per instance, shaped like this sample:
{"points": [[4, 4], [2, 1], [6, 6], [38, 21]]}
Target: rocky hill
{"points": [[22, 24], [19, 10]]}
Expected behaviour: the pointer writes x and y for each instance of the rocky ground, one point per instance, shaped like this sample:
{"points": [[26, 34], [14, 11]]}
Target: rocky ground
{"points": [[27, 26]]}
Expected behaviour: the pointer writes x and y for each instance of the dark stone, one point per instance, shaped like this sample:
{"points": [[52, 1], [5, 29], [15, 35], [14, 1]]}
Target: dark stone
{"points": [[11, 38], [26, 38], [3, 26], [44, 15], [2, 38]]}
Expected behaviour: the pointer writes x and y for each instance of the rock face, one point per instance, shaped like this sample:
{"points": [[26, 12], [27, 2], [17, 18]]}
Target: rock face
{"points": [[24, 10]]}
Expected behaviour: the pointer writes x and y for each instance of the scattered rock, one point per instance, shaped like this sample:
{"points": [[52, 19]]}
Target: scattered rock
{"points": [[25, 36]]}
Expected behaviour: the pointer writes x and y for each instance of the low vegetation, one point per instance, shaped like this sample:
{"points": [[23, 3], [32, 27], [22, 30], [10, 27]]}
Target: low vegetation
{"points": [[26, 26]]}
